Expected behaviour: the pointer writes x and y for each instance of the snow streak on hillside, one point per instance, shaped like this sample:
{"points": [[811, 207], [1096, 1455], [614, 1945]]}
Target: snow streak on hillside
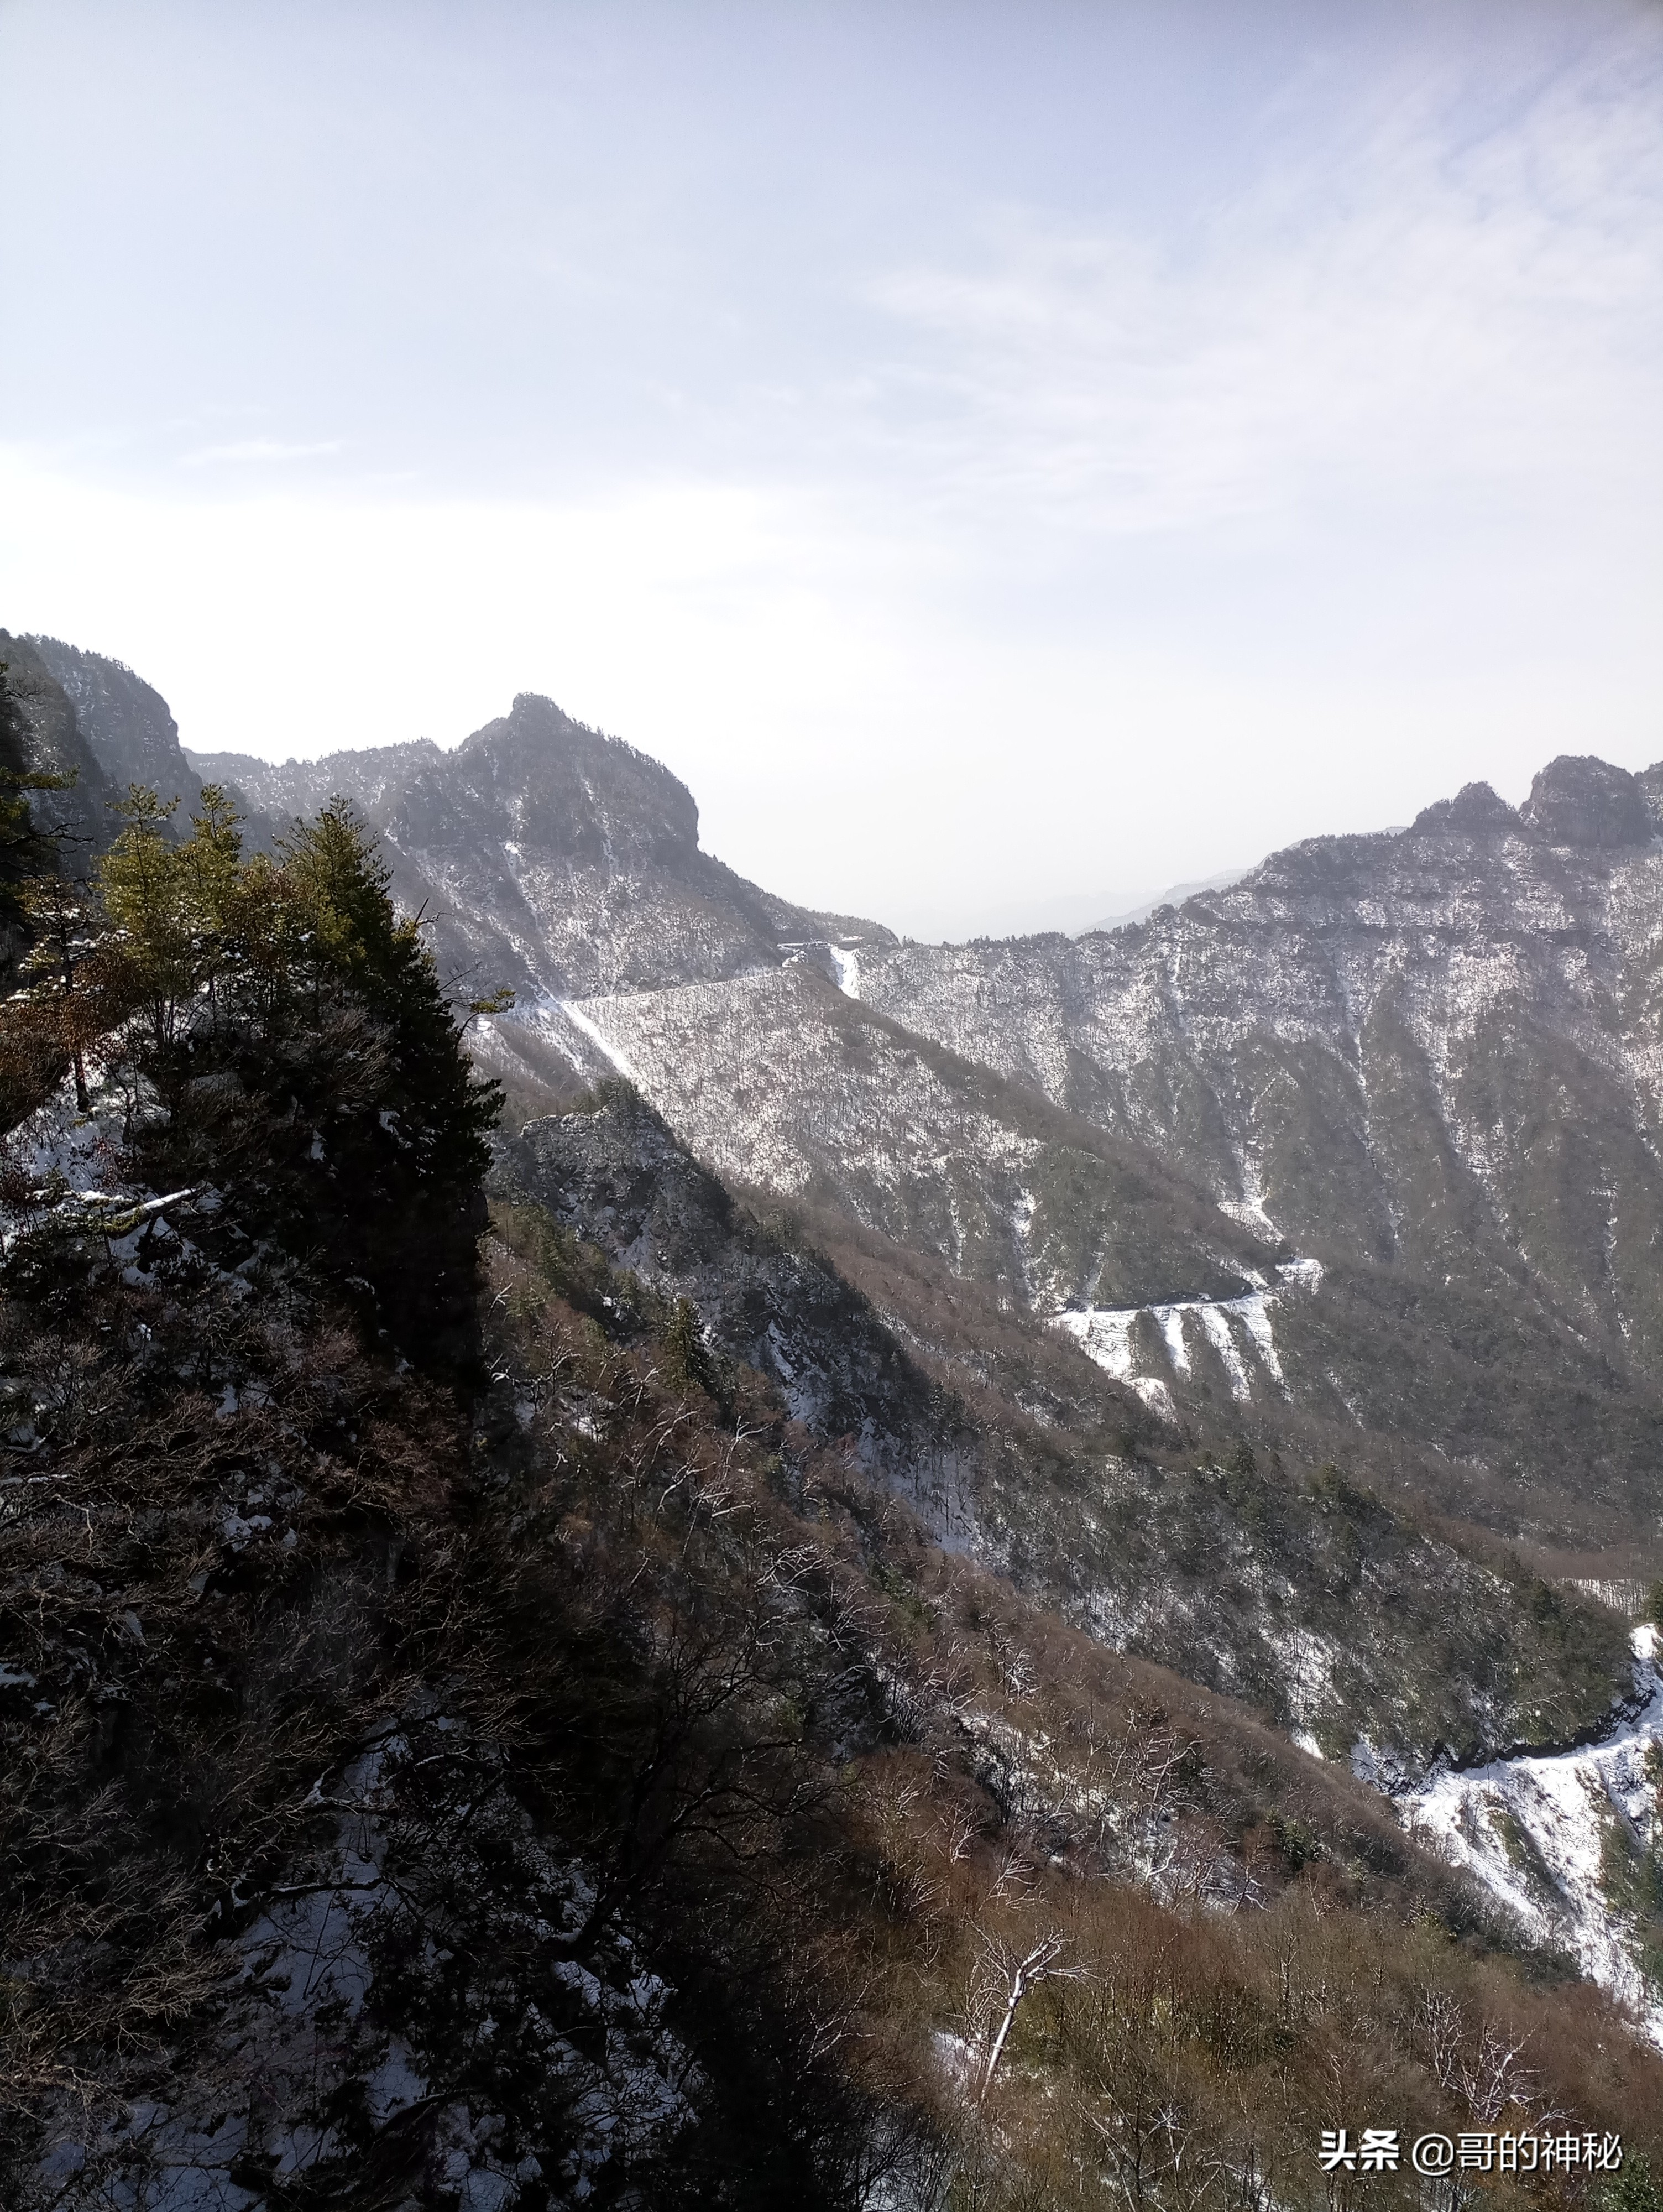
{"points": [[1237, 1329], [760, 1078], [846, 959], [780, 1080], [1571, 1842], [582, 1022]]}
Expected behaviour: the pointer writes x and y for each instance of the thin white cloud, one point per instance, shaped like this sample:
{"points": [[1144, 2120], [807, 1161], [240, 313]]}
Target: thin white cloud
{"points": [[1421, 305], [1128, 537], [261, 451]]}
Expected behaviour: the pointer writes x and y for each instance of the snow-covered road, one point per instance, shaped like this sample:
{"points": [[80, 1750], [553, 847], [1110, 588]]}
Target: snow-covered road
{"points": [[1571, 1842], [1238, 1329]]}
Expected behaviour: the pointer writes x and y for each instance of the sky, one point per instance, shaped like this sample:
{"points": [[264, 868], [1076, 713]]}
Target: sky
{"points": [[1005, 458]]}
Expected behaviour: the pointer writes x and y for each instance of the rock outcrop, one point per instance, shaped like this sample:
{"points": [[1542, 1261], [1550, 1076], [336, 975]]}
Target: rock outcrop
{"points": [[552, 859]]}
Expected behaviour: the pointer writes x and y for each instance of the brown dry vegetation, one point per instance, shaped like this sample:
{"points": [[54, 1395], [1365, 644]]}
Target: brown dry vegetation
{"points": [[1252, 1950], [1203, 1544], [691, 1763], [831, 1783]]}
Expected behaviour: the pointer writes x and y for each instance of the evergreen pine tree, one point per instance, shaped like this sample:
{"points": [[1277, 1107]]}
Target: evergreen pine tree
{"points": [[287, 1040], [142, 888]]}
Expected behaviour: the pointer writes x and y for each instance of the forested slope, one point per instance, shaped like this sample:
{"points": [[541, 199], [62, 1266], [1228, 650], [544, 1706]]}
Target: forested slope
{"points": [[535, 1672], [487, 1748]]}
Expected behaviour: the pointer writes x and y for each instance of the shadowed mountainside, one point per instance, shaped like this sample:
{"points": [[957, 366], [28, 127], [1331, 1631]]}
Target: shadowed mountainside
{"points": [[1343, 1618]]}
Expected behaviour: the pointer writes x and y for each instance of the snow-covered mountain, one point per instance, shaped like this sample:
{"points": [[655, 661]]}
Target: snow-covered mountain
{"points": [[1572, 1841], [556, 860], [1358, 1156], [1426, 1062], [1261, 1295], [1440, 1049]]}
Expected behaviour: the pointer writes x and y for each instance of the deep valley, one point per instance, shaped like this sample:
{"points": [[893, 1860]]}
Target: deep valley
{"points": [[659, 1549]]}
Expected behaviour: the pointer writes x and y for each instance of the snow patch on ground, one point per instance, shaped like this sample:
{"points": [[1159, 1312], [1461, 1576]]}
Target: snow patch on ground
{"points": [[1543, 1834], [1218, 1335], [63, 1151], [1155, 1395], [1249, 1210], [555, 1021], [1251, 1217], [1021, 1229], [298, 2026], [1309, 1660], [1621, 1594], [1170, 1322]]}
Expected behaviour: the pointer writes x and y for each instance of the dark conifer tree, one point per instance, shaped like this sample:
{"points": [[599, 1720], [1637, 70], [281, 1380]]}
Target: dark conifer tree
{"points": [[288, 1044]]}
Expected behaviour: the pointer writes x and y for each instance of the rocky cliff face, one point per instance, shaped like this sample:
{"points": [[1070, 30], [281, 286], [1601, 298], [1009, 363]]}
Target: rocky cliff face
{"points": [[1407, 1085], [1357, 1154], [1429, 1061], [125, 721], [553, 860], [1384, 1046], [57, 745], [92, 718]]}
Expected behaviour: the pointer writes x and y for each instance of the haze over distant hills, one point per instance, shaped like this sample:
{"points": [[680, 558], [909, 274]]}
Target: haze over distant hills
{"points": [[1173, 895]]}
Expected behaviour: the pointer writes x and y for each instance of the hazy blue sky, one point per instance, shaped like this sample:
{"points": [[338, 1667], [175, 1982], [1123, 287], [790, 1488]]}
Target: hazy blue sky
{"points": [[1005, 458]]}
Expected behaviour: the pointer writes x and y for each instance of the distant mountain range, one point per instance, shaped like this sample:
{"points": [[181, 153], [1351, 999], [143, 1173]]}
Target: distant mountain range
{"points": [[1352, 1160], [565, 863], [1173, 895]]}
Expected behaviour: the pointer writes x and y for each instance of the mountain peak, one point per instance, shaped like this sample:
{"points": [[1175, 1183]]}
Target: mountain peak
{"points": [[1578, 799], [1474, 810], [578, 792]]}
